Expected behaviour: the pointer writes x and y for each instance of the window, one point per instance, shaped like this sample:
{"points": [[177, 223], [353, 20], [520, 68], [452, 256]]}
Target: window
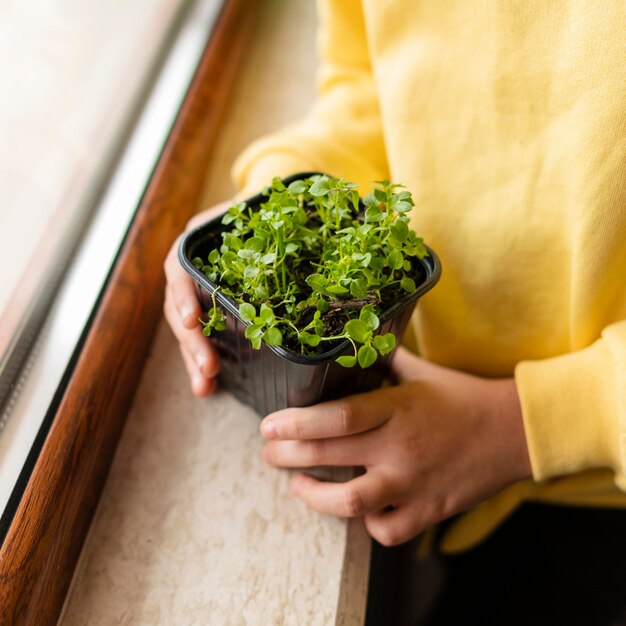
{"points": [[43, 526], [95, 88]]}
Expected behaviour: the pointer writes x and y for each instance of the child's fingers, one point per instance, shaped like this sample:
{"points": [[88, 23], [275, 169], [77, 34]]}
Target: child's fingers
{"points": [[351, 415], [180, 284], [192, 340], [358, 496], [181, 289], [393, 527], [340, 451], [200, 385]]}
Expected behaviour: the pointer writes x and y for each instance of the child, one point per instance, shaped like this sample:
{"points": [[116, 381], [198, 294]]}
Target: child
{"points": [[507, 121]]}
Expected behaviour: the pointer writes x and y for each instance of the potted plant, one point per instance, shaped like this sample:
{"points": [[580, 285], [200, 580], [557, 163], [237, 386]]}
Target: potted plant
{"points": [[308, 288]]}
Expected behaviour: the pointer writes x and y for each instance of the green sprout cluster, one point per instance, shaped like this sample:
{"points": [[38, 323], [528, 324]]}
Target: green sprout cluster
{"points": [[312, 265]]}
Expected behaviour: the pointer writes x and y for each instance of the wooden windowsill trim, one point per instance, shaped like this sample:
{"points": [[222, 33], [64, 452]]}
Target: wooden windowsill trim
{"points": [[39, 554]]}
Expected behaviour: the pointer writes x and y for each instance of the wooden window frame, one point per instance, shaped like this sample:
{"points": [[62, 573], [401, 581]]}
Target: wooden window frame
{"points": [[45, 538]]}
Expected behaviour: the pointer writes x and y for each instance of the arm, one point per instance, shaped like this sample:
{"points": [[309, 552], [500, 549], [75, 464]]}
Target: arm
{"points": [[443, 441]]}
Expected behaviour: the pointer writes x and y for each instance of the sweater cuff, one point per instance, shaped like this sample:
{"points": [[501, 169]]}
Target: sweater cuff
{"points": [[569, 407]]}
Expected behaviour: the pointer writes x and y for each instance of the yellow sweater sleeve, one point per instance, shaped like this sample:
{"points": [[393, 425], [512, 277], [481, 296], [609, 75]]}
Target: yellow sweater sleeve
{"points": [[342, 134], [574, 408]]}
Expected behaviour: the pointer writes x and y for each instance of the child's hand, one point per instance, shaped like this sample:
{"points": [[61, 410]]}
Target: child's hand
{"points": [[435, 445], [182, 310]]}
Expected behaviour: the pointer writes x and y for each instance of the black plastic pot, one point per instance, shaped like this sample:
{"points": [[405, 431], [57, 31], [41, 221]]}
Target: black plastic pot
{"points": [[274, 378]]}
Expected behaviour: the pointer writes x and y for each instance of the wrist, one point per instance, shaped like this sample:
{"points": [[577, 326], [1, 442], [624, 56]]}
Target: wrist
{"points": [[510, 424]]}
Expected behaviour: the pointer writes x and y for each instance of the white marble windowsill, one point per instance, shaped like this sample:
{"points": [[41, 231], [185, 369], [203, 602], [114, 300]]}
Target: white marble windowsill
{"points": [[193, 527]]}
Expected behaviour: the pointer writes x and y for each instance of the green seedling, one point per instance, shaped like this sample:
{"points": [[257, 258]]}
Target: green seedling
{"points": [[313, 267]]}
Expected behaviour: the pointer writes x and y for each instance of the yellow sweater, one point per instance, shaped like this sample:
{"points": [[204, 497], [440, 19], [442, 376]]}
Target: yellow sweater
{"points": [[508, 122]]}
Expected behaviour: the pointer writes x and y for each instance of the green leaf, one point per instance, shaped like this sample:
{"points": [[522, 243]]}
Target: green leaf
{"points": [[232, 242], [408, 284], [261, 292], [268, 258], [266, 313], [380, 195], [247, 312], [319, 188], [403, 207], [277, 184], [273, 336], [290, 248], [255, 244], [322, 305], [368, 316], [367, 356], [250, 272], [245, 254], [298, 186], [374, 214], [370, 200], [309, 339], [228, 258], [346, 361], [354, 194], [377, 264], [300, 217], [317, 282], [395, 260], [400, 230], [336, 289], [385, 343], [254, 331], [358, 288], [357, 330], [214, 256], [349, 230]]}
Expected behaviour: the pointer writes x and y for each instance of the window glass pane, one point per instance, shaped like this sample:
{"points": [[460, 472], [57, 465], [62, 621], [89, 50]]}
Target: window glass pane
{"points": [[71, 72], [93, 90]]}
